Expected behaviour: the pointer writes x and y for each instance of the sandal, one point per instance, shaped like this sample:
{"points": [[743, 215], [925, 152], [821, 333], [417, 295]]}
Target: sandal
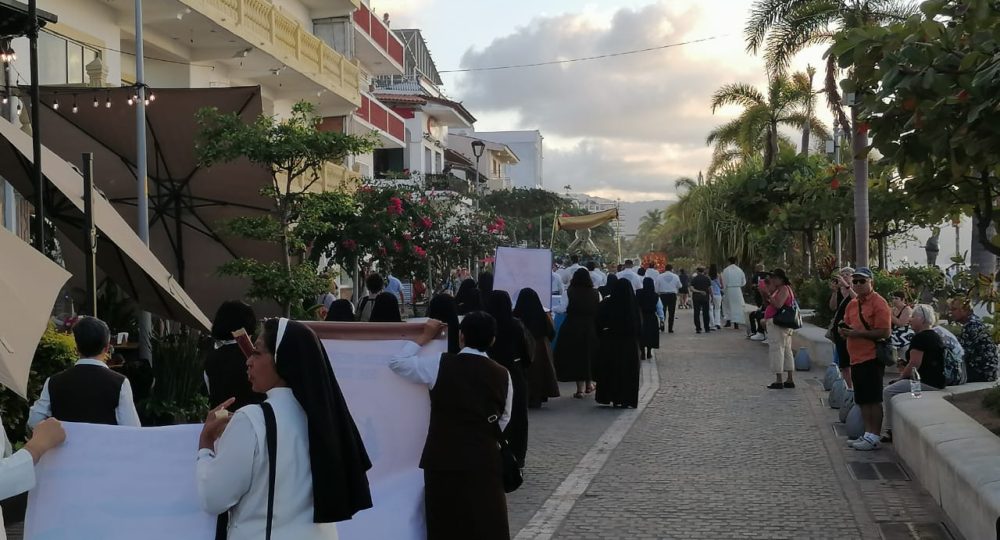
{"points": [[775, 386], [789, 384], [591, 388]]}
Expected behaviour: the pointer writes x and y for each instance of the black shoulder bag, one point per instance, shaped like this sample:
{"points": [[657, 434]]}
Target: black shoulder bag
{"points": [[271, 439], [883, 347], [789, 316], [510, 471]]}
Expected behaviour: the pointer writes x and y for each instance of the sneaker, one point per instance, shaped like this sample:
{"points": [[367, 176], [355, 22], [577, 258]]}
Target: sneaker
{"points": [[865, 445], [758, 337], [852, 442]]}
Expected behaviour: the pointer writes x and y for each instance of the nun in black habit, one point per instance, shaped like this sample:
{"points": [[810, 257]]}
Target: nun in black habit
{"points": [[321, 463], [513, 349]]}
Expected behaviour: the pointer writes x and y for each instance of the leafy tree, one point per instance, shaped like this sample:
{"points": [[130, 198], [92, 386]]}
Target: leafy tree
{"points": [[788, 102], [783, 28], [293, 151], [525, 211], [937, 106]]}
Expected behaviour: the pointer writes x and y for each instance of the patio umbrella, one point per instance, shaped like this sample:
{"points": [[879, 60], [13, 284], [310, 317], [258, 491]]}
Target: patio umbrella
{"points": [[121, 255], [188, 204], [29, 286]]}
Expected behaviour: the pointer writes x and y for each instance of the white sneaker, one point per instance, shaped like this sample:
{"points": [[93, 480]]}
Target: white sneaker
{"points": [[758, 337], [866, 445]]}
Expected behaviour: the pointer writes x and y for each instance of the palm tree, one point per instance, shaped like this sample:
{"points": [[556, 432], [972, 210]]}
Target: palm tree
{"points": [[789, 102], [783, 28]]}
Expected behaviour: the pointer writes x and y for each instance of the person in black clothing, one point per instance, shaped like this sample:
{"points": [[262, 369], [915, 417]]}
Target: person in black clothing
{"points": [[617, 365], [684, 292], [385, 308], [467, 298], [340, 311], [701, 296], [512, 349], [756, 318], [226, 365], [841, 296], [442, 308], [375, 285], [541, 374], [485, 286], [925, 356], [650, 335]]}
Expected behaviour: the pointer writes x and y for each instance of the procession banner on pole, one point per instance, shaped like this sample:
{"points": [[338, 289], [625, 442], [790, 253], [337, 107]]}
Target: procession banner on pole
{"points": [[122, 483], [519, 268]]}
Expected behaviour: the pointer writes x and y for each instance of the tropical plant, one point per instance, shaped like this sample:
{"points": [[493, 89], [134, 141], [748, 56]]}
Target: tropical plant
{"points": [[294, 151], [783, 28], [177, 396], [789, 101]]}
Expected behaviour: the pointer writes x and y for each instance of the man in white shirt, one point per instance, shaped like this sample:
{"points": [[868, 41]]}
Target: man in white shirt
{"points": [[17, 471], [599, 278], [733, 281], [88, 392], [567, 273], [651, 272], [667, 285], [629, 274]]}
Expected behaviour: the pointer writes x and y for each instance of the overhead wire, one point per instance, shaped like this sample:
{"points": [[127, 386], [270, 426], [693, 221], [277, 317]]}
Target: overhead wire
{"points": [[586, 58]]}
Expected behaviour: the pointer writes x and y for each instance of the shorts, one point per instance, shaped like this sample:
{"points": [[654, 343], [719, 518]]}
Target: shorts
{"points": [[843, 358], [867, 377]]}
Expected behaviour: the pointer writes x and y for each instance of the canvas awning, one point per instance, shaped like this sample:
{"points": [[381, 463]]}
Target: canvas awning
{"points": [[589, 221], [121, 255]]}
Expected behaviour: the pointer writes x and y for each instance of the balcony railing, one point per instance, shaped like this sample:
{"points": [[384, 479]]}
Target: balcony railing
{"points": [[264, 25], [446, 182], [378, 115], [380, 33]]}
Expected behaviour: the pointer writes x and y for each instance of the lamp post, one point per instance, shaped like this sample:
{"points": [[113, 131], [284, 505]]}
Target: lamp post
{"points": [[478, 147]]}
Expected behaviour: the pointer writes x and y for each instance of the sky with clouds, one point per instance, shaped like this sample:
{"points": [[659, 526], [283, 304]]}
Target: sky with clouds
{"points": [[627, 126]]}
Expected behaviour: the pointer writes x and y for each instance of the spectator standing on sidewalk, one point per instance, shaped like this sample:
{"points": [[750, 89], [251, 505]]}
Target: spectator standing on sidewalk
{"points": [[701, 298], [840, 297], [925, 356], [685, 289], [716, 310], [866, 321], [733, 280], [980, 350], [667, 286], [777, 295]]}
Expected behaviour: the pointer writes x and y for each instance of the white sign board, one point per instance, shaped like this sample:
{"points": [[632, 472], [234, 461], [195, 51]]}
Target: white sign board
{"points": [[121, 483], [518, 268]]}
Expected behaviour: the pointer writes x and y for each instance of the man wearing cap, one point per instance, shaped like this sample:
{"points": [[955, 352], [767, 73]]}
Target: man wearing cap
{"points": [[866, 320]]}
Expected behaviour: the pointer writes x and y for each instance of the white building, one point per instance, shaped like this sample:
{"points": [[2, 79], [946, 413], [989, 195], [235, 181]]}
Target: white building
{"points": [[527, 145], [495, 163]]}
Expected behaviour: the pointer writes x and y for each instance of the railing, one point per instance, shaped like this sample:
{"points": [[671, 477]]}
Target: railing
{"points": [[446, 182], [265, 26], [380, 33], [378, 115]]}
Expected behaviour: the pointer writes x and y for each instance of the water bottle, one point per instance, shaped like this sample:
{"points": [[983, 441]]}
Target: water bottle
{"points": [[915, 384]]}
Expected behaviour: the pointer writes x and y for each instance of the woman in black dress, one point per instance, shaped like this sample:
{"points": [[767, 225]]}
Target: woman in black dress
{"points": [[467, 298], [386, 308], [618, 322], [340, 311], [512, 350], [442, 308], [226, 365], [541, 373], [577, 343], [647, 299]]}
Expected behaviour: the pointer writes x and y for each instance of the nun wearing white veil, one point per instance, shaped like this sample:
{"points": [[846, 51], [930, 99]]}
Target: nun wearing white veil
{"points": [[320, 463]]}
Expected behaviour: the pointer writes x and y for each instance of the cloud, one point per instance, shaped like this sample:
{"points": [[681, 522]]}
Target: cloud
{"points": [[639, 121]]}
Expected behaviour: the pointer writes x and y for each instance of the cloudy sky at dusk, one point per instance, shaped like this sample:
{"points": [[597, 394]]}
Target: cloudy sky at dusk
{"points": [[620, 127]]}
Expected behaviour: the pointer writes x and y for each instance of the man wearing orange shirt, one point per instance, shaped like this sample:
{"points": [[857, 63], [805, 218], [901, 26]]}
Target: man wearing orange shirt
{"points": [[866, 320]]}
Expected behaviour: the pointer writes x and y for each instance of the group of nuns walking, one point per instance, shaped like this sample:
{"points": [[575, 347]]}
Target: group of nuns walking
{"points": [[598, 345]]}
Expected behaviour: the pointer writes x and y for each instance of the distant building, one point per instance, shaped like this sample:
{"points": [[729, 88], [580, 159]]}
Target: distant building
{"points": [[527, 172], [494, 165]]}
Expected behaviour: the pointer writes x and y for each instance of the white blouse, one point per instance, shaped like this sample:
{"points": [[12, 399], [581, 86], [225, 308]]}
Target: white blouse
{"points": [[235, 476]]}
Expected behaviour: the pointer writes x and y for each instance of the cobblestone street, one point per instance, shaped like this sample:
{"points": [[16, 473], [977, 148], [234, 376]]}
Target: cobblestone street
{"points": [[714, 455]]}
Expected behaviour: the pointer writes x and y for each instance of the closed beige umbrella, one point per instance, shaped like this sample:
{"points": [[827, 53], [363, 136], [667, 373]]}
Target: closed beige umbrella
{"points": [[29, 286], [121, 255]]}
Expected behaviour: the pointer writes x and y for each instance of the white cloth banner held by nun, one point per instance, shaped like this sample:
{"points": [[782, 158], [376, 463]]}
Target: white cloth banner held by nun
{"points": [[518, 268]]}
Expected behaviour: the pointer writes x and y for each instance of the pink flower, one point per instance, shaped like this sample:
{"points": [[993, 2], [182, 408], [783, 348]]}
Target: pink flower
{"points": [[419, 251], [349, 245], [397, 246], [455, 239], [407, 236], [395, 206], [427, 222]]}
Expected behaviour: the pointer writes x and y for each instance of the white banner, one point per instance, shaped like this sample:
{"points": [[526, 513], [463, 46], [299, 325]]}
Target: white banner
{"points": [[119, 483], [518, 268]]}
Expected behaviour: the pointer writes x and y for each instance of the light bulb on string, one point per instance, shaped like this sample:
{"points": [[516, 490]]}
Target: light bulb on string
{"points": [[107, 102], [130, 101], [55, 104], [152, 96], [146, 101], [5, 99], [74, 104], [95, 102]]}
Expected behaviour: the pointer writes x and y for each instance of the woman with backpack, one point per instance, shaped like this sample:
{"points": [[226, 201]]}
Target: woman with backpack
{"points": [[925, 357]]}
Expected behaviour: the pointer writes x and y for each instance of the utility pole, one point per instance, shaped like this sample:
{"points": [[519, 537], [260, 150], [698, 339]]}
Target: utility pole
{"points": [[835, 144], [142, 197]]}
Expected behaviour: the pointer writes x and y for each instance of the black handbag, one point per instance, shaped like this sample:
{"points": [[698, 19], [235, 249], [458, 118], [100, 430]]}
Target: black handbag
{"points": [[883, 347], [510, 471], [789, 316]]}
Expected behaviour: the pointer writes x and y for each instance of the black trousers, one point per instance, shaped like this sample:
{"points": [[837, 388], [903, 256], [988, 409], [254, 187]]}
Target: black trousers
{"points": [[669, 301], [755, 322], [701, 307]]}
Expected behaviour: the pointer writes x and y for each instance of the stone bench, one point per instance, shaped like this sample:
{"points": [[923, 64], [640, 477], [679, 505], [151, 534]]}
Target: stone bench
{"points": [[814, 339], [954, 457]]}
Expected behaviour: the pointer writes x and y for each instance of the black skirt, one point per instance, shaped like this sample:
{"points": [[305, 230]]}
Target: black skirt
{"points": [[462, 505]]}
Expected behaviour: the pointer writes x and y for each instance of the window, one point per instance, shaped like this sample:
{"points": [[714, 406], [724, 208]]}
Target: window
{"points": [[428, 163], [62, 61]]}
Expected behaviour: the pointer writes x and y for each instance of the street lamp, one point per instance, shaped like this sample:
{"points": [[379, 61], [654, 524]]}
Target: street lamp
{"points": [[478, 147]]}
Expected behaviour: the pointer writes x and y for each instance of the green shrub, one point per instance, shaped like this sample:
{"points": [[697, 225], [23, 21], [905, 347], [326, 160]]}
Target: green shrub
{"points": [[56, 351], [177, 395]]}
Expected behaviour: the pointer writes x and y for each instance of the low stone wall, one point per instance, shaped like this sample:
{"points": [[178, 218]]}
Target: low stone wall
{"points": [[954, 457], [814, 338]]}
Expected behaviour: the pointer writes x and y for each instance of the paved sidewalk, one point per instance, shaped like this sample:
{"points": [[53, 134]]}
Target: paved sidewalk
{"points": [[715, 455]]}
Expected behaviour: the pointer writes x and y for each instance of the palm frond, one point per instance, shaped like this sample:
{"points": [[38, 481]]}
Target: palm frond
{"points": [[833, 97], [737, 94], [798, 30], [728, 133], [891, 11], [763, 15], [800, 120]]}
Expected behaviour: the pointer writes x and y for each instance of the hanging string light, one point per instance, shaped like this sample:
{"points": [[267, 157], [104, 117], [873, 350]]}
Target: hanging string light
{"points": [[107, 101], [95, 102], [55, 104], [74, 104]]}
